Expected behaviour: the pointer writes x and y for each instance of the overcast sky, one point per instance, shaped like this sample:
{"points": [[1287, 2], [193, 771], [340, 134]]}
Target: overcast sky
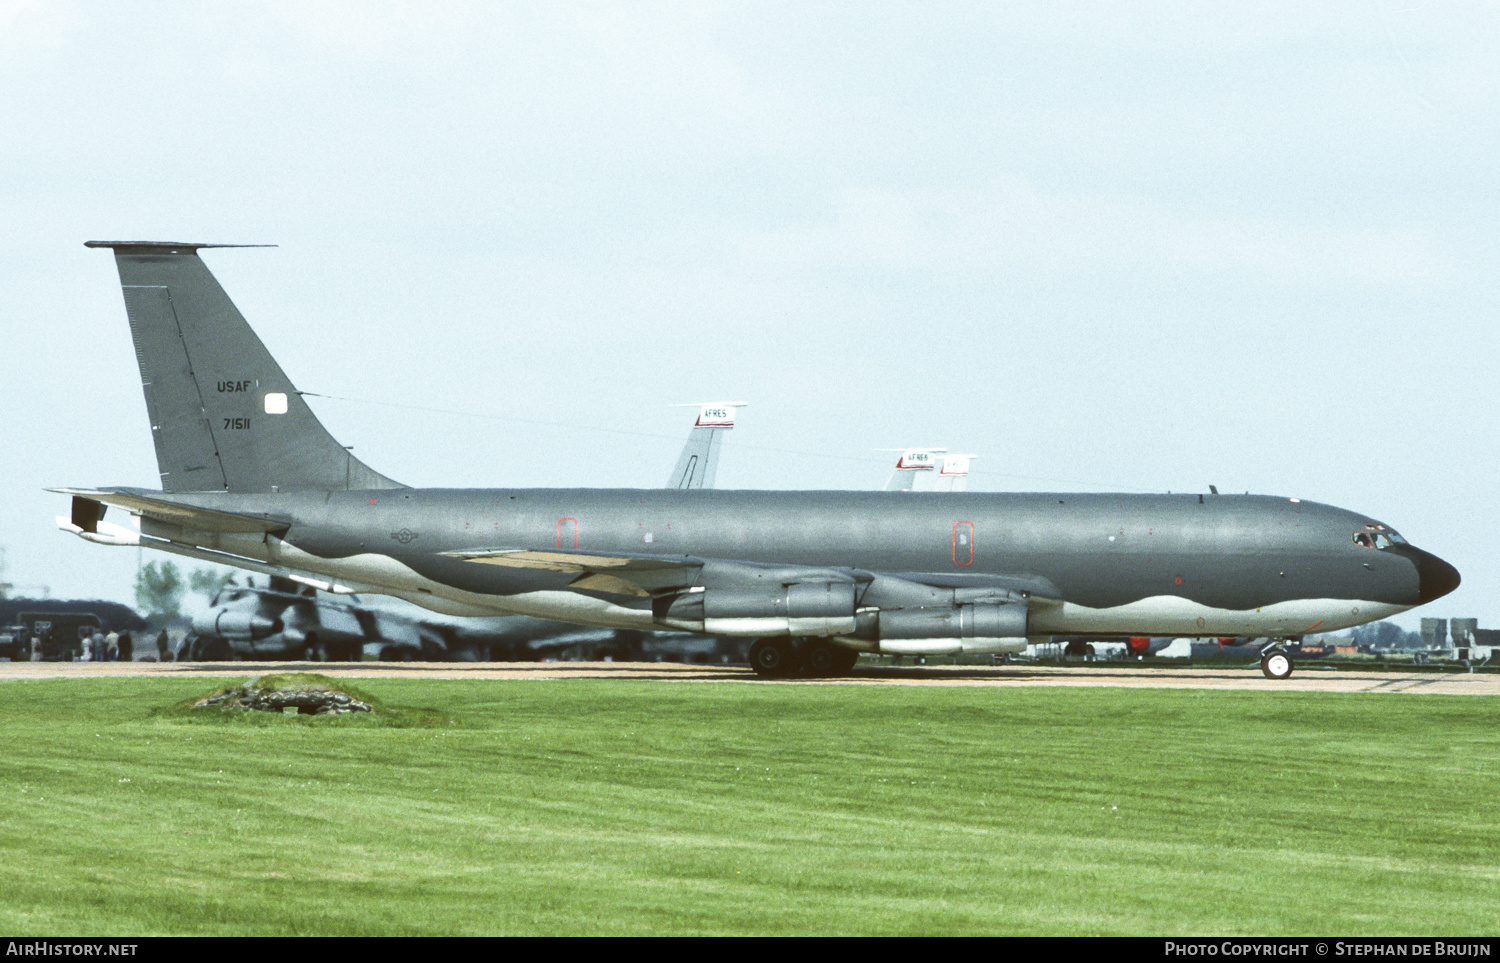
{"points": [[1106, 247]]}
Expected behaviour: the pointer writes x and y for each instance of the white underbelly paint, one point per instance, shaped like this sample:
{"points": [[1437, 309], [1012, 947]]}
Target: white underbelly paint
{"points": [[1174, 615], [1158, 615], [385, 575]]}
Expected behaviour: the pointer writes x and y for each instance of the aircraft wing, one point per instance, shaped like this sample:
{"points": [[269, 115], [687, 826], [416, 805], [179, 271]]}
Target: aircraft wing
{"points": [[88, 508], [617, 573]]}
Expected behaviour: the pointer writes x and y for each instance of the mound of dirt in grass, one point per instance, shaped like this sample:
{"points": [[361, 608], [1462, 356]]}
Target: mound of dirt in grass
{"points": [[301, 694], [305, 694]]}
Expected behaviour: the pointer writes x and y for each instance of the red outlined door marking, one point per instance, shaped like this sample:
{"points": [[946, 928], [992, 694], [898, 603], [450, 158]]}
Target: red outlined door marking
{"points": [[963, 543], [567, 533]]}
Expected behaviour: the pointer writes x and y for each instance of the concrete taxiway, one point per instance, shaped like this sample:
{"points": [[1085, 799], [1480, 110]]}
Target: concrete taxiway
{"points": [[1305, 680]]}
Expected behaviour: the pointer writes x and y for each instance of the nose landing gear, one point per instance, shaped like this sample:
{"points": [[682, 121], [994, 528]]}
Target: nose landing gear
{"points": [[1275, 663]]}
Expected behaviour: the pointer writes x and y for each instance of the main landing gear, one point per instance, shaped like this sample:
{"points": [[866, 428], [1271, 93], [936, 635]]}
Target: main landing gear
{"points": [[1275, 662], [782, 658]]}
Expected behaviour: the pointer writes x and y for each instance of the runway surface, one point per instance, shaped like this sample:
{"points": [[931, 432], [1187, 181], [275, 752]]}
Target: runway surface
{"points": [[1304, 680]]}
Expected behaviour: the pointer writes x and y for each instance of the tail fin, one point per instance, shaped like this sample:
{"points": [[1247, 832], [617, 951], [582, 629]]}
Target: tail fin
{"points": [[699, 461], [223, 414], [954, 475], [909, 466]]}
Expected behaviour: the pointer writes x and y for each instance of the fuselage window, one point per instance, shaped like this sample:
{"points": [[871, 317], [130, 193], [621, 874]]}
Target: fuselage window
{"points": [[1364, 540]]}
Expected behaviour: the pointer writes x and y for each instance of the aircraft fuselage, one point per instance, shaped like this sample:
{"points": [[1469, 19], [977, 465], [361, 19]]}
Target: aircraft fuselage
{"points": [[1097, 563]]}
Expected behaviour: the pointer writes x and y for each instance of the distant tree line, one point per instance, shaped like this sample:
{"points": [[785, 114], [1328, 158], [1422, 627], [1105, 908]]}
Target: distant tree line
{"points": [[160, 587], [1380, 635]]}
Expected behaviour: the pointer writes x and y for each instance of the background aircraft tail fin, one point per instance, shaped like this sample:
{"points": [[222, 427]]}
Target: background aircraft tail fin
{"points": [[224, 416], [953, 476], [699, 462], [908, 475]]}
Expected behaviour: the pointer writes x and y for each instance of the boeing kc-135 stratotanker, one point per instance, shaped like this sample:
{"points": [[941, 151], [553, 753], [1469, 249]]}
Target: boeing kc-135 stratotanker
{"points": [[250, 478]]}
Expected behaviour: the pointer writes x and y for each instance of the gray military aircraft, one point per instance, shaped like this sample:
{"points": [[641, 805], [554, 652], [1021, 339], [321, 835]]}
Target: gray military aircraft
{"points": [[251, 478], [287, 620], [283, 620]]}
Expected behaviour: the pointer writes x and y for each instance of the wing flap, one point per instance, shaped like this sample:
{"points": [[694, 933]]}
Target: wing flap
{"points": [[609, 572]]}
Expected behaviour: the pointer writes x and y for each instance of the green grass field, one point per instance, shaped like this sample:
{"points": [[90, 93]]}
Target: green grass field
{"points": [[631, 807]]}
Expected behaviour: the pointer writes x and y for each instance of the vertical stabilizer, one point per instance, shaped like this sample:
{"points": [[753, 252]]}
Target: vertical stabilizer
{"points": [[224, 416], [909, 468], [954, 475], [699, 461]]}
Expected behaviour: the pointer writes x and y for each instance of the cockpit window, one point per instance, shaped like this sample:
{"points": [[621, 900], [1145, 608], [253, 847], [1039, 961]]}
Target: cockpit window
{"points": [[1377, 536]]}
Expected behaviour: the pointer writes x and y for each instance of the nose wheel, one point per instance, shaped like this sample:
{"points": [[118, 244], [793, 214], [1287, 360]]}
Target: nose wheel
{"points": [[1276, 664]]}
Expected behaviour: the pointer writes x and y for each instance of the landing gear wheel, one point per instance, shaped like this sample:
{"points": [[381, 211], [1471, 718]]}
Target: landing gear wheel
{"points": [[210, 649], [1276, 664], [823, 658], [774, 658]]}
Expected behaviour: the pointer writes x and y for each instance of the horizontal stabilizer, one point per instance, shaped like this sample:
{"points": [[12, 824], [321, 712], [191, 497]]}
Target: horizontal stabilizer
{"points": [[101, 532], [187, 516], [107, 533], [165, 247]]}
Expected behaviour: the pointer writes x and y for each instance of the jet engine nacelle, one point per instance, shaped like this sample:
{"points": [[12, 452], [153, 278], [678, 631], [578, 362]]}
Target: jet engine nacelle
{"points": [[880, 613], [981, 627], [235, 625], [902, 617], [799, 609]]}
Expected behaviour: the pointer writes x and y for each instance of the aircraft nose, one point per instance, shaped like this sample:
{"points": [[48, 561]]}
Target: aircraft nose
{"points": [[1436, 577]]}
